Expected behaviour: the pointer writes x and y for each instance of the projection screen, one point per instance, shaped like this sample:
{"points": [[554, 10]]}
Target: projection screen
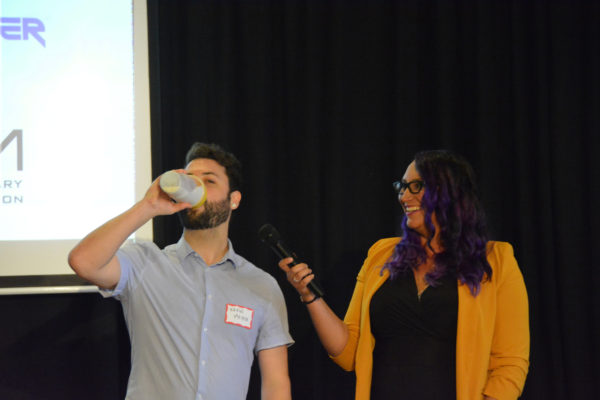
{"points": [[74, 132]]}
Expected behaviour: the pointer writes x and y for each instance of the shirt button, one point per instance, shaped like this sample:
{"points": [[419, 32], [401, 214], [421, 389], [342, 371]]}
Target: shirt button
{"points": [[210, 296], [205, 329], [203, 362]]}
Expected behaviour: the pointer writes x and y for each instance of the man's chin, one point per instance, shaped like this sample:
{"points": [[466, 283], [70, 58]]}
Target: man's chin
{"points": [[208, 216], [191, 227], [200, 224], [194, 228]]}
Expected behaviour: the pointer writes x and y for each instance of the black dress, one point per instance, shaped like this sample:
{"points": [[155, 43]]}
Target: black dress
{"points": [[415, 340]]}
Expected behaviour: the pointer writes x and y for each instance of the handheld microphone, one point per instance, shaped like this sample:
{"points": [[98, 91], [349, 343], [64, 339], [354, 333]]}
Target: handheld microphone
{"points": [[269, 235], [183, 188]]}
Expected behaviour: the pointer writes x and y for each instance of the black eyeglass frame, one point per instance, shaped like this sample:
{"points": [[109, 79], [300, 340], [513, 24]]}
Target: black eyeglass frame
{"points": [[400, 186]]}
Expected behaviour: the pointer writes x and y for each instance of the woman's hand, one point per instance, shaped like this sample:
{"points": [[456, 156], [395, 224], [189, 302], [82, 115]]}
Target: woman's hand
{"points": [[331, 330], [299, 277]]}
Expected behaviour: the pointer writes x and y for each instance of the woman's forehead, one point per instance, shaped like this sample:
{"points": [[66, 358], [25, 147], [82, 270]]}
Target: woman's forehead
{"points": [[411, 172]]}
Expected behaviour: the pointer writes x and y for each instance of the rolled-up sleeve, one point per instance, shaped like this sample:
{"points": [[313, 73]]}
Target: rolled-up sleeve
{"points": [[125, 265], [275, 330]]}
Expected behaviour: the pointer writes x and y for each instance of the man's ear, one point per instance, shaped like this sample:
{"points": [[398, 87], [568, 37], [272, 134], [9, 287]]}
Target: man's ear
{"points": [[236, 197]]}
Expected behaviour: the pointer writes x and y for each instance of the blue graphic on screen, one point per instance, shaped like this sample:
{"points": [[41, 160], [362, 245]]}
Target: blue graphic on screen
{"points": [[67, 138], [12, 28]]}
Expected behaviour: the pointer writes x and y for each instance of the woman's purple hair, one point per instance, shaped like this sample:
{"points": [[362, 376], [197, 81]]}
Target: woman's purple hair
{"points": [[450, 193]]}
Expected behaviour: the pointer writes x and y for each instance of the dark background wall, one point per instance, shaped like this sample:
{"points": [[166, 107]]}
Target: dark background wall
{"points": [[325, 103]]}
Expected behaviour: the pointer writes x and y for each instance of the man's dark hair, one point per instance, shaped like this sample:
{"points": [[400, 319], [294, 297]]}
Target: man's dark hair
{"points": [[233, 167]]}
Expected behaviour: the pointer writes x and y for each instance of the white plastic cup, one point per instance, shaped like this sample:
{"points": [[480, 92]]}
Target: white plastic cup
{"points": [[183, 188]]}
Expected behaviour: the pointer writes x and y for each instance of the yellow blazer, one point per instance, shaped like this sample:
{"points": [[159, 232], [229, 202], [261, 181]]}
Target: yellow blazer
{"points": [[492, 340]]}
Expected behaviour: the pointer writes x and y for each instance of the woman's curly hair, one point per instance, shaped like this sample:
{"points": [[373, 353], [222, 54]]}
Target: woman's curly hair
{"points": [[450, 193]]}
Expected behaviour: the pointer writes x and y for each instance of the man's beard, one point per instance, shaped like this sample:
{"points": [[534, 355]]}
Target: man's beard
{"points": [[214, 214]]}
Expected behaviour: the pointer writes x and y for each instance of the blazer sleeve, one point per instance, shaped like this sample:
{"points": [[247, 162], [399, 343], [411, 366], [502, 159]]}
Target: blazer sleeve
{"points": [[509, 358]]}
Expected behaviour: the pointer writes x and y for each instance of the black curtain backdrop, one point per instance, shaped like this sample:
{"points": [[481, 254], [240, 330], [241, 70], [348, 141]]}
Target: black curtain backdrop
{"points": [[325, 103]]}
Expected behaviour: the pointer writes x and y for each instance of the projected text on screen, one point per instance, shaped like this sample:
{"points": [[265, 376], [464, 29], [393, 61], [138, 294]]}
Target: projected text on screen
{"points": [[67, 126]]}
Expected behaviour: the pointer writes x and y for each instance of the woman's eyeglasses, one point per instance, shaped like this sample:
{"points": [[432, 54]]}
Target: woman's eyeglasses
{"points": [[413, 186]]}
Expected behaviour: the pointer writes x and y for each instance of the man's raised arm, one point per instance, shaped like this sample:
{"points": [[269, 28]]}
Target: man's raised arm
{"points": [[94, 259]]}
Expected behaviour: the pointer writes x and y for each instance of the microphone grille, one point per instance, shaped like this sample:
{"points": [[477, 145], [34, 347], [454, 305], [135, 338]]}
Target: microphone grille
{"points": [[267, 233]]}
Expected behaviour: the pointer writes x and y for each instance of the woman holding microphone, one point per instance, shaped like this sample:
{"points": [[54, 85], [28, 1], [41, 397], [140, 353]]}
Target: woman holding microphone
{"points": [[439, 313]]}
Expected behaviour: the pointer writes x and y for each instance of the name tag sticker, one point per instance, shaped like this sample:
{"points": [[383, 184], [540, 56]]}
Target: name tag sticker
{"points": [[238, 315]]}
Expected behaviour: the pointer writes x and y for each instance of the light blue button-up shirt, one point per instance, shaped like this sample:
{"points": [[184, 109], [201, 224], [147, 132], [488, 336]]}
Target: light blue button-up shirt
{"points": [[194, 328]]}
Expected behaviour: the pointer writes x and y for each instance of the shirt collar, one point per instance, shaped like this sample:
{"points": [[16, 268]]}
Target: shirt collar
{"points": [[184, 249]]}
